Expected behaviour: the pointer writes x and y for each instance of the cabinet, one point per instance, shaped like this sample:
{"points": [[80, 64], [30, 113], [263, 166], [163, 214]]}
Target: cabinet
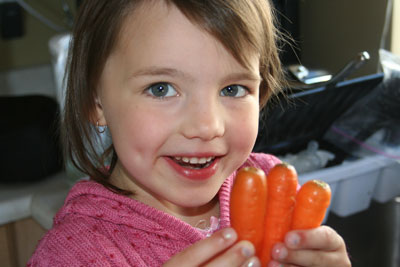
{"points": [[18, 241]]}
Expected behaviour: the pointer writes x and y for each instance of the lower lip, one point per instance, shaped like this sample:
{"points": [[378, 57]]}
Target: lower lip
{"points": [[195, 174]]}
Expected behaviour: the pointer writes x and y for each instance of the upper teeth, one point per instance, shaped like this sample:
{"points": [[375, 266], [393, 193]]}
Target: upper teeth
{"points": [[194, 160]]}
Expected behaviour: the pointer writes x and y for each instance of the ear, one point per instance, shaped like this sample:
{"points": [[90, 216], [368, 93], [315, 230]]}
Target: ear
{"points": [[99, 113]]}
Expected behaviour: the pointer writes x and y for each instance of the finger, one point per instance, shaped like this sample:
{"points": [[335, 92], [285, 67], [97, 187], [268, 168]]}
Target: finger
{"points": [[203, 250], [236, 255], [311, 258], [321, 238]]}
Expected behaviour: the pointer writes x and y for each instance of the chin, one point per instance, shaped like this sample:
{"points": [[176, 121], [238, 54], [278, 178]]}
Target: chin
{"points": [[193, 201]]}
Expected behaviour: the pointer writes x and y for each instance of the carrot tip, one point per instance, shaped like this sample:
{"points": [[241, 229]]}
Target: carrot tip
{"points": [[321, 183]]}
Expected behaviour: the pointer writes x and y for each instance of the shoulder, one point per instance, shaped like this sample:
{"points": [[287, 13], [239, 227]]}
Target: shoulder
{"points": [[56, 247], [97, 227], [72, 242], [77, 237], [83, 241]]}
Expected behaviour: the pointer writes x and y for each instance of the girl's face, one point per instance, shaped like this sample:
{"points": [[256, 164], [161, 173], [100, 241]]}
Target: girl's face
{"points": [[182, 112]]}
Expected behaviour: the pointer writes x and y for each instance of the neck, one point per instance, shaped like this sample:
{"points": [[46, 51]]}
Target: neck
{"points": [[193, 216]]}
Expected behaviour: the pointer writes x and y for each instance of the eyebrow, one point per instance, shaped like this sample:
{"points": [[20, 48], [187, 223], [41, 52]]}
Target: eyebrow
{"points": [[159, 71], [165, 71], [243, 76]]}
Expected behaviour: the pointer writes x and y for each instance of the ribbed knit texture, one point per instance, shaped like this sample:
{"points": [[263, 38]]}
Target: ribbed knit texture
{"points": [[97, 227]]}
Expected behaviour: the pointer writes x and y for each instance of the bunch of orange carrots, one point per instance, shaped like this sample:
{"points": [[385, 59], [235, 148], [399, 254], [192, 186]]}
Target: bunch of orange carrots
{"points": [[263, 209]]}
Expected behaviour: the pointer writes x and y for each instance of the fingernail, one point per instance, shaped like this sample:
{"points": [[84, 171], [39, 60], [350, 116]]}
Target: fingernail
{"points": [[274, 264], [281, 252], [228, 234], [292, 240], [247, 252], [254, 263]]}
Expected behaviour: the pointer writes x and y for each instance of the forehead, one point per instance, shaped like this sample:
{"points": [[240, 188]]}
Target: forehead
{"points": [[145, 17], [160, 33]]}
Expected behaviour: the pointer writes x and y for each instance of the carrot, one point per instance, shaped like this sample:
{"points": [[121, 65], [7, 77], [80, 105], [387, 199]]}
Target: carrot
{"points": [[282, 188], [247, 206], [312, 201]]}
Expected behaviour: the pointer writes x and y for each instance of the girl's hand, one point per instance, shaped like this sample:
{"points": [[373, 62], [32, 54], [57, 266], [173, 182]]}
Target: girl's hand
{"points": [[220, 249], [321, 247]]}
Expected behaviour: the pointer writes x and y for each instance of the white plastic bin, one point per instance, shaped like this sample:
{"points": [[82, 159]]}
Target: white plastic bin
{"points": [[388, 185], [354, 193]]}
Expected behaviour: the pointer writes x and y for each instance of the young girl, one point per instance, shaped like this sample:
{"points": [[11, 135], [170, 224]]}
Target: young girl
{"points": [[178, 84]]}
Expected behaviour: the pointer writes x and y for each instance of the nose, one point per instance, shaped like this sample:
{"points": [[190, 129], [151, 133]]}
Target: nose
{"points": [[204, 119]]}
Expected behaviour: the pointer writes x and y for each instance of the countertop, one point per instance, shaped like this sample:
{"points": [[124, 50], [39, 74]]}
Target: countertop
{"points": [[40, 200]]}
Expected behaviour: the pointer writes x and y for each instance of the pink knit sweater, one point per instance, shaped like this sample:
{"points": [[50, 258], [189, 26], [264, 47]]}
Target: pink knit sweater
{"points": [[97, 227]]}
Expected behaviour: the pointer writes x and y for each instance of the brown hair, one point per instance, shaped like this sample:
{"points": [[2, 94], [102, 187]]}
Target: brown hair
{"points": [[242, 26]]}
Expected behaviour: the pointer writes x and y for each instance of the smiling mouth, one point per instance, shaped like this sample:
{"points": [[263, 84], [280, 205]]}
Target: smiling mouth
{"points": [[194, 162]]}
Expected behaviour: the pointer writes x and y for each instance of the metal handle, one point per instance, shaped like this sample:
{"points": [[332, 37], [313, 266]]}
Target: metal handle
{"points": [[350, 68]]}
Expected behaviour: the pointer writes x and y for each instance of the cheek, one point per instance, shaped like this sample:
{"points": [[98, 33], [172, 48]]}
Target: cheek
{"points": [[139, 133], [136, 142], [244, 130]]}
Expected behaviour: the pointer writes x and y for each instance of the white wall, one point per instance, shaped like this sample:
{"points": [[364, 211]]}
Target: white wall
{"points": [[395, 44], [27, 81], [334, 31]]}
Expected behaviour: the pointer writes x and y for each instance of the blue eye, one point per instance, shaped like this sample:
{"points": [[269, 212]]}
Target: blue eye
{"points": [[234, 91], [161, 90]]}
